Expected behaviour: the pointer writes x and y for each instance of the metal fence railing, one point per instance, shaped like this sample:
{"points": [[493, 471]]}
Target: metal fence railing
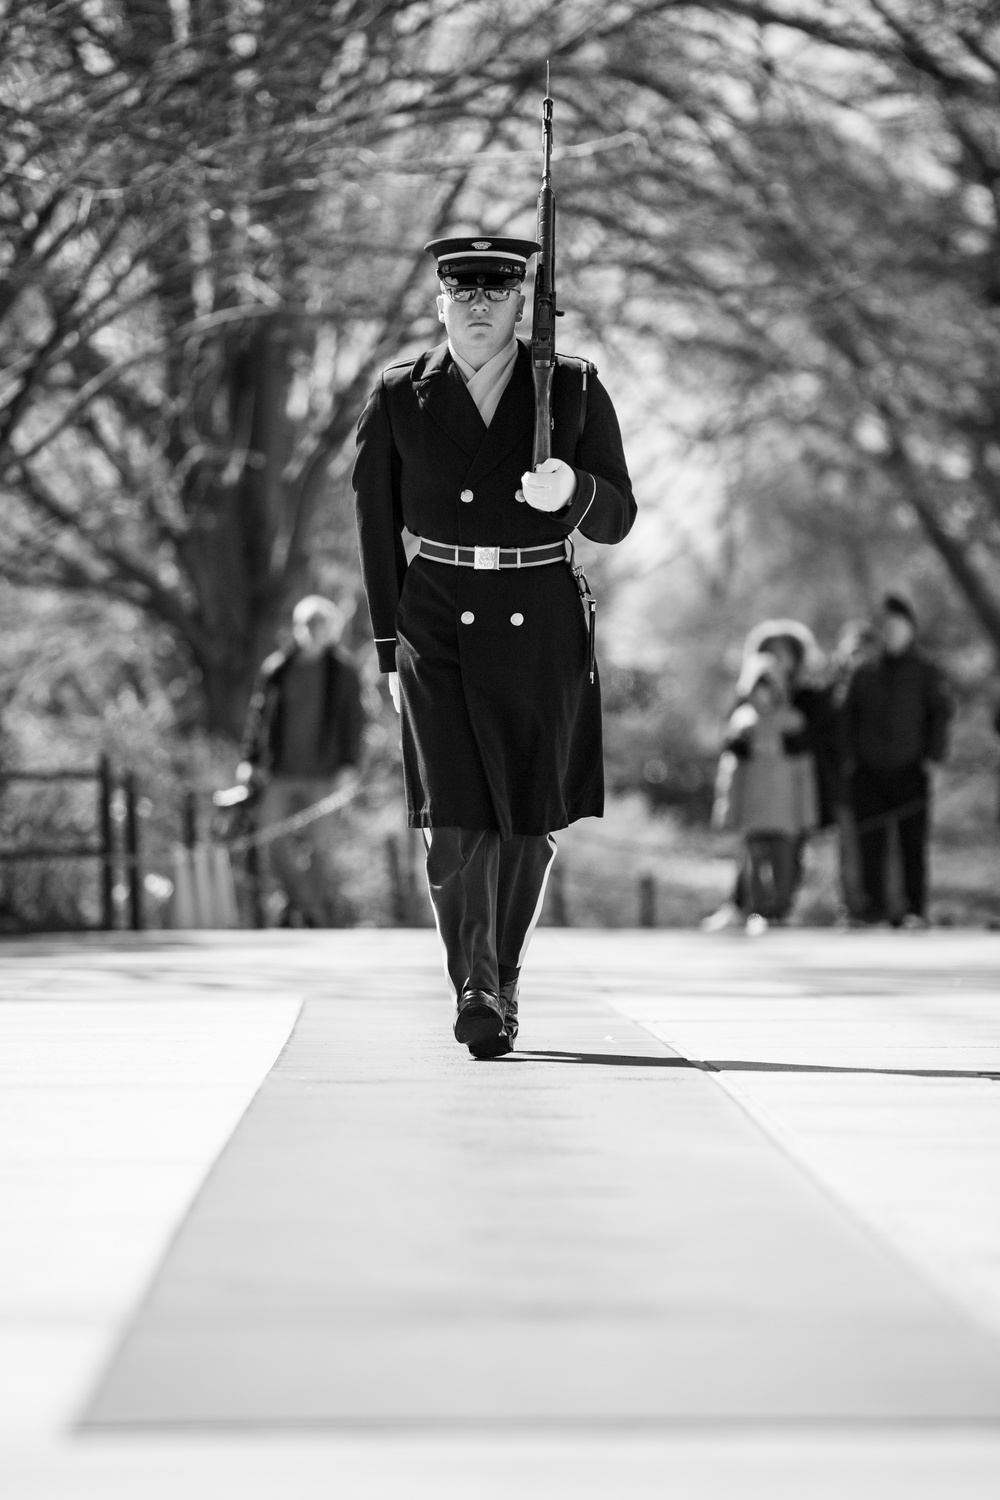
{"points": [[109, 852]]}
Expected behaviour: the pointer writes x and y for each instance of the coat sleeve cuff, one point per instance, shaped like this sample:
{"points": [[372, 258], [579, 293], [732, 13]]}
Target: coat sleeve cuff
{"points": [[583, 499], [386, 649]]}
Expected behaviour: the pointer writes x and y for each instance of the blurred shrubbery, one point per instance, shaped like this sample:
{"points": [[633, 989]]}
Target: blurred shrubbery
{"points": [[653, 745], [84, 679], [48, 895]]}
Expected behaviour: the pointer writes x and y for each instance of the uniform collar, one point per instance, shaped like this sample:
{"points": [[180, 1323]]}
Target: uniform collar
{"points": [[500, 361], [441, 391], [487, 384]]}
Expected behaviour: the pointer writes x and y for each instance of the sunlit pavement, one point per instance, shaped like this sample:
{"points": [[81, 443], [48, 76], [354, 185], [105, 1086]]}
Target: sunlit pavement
{"points": [[727, 1223]]}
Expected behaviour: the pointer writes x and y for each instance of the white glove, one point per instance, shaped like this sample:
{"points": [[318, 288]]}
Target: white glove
{"points": [[549, 487], [394, 689]]}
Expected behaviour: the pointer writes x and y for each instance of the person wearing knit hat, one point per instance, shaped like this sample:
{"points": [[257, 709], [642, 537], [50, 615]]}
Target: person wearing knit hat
{"points": [[895, 718]]}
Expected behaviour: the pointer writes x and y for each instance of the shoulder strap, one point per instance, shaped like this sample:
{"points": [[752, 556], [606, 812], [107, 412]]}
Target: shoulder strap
{"points": [[586, 369]]}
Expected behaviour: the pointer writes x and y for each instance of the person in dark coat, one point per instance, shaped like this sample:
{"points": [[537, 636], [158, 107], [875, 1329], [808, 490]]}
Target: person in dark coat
{"points": [[858, 642], [483, 635], [895, 721], [301, 742]]}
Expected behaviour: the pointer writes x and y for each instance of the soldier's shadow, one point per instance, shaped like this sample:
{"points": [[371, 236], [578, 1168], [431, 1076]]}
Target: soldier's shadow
{"points": [[625, 1060]]}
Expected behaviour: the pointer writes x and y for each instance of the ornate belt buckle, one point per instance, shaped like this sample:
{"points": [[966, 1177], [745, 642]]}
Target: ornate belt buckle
{"points": [[488, 558]]}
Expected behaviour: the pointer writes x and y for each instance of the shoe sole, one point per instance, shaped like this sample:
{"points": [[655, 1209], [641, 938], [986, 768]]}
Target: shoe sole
{"points": [[499, 1047], [478, 1023]]}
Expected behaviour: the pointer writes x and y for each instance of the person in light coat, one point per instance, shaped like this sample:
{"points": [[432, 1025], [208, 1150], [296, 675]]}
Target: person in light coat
{"points": [[767, 793]]}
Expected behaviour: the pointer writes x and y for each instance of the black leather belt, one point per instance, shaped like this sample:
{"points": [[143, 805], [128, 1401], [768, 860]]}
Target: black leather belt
{"points": [[493, 558]]}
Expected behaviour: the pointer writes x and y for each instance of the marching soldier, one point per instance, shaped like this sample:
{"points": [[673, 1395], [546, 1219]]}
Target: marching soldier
{"points": [[483, 635]]}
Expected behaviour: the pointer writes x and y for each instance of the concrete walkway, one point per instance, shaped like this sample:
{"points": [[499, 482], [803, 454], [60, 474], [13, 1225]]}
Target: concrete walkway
{"points": [[729, 1216]]}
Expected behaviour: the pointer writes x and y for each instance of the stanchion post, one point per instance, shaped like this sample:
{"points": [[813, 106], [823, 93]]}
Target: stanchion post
{"points": [[190, 817], [132, 853], [105, 789], [397, 891], [647, 900], [557, 889], [255, 882], [413, 844]]}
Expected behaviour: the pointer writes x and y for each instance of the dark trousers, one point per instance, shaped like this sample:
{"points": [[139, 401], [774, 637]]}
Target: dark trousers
{"points": [[770, 872], [882, 800], [743, 894], [487, 896], [849, 860]]}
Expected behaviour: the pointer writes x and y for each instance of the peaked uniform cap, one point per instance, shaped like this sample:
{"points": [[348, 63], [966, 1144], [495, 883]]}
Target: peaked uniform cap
{"points": [[482, 255]]}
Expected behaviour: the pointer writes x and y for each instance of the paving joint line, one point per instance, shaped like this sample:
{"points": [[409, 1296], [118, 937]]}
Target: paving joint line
{"points": [[760, 1116]]}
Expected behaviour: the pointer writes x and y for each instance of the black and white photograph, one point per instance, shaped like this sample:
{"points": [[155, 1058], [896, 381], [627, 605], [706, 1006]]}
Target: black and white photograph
{"points": [[499, 749]]}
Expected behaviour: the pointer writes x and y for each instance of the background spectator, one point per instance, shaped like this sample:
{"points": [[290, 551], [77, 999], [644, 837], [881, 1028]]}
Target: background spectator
{"points": [[302, 742], [857, 644], [895, 718], [797, 657], [766, 792]]}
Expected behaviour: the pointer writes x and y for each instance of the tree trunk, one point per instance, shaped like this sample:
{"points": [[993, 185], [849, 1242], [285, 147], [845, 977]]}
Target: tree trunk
{"points": [[232, 553]]}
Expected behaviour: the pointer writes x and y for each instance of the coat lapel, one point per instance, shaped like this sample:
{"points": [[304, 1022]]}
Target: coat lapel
{"points": [[513, 418], [443, 395]]}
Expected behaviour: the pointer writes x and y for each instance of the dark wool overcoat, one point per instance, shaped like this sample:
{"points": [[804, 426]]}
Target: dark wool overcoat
{"points": [[501, 725]]}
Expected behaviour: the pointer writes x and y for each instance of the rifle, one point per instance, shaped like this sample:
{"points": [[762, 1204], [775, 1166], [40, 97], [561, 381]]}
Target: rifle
{"points": [[543, 344], [544, 314]]}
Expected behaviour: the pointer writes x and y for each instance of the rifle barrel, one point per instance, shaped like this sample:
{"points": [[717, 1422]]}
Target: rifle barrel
{"points": [[543, 327]]}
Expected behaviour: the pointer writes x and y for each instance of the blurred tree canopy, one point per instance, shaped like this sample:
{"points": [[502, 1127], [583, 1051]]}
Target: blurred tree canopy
{"points": [[810, 231], [211, 214], [199, 285]]}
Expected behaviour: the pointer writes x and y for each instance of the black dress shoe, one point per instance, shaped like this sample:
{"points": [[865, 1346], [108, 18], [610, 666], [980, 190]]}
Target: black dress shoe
{"points": [[508, 999], [480, 1017], [499, 1046]]}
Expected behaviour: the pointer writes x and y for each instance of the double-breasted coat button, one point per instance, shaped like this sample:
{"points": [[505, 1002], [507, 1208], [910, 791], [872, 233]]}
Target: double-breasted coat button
{"points": [[466, 495], [517, 619], [468, 617]]}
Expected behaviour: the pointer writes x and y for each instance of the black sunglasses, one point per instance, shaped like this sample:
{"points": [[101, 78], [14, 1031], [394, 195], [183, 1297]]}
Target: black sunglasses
{"points": [[468, 293]]}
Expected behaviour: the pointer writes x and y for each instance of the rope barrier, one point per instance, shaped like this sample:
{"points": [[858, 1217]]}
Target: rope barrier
{"points": [[332, 802], [628, 846], [895, 815]]}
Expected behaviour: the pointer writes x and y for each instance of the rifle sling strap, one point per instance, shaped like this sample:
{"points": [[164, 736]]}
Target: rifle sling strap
{"points": [[586, 370]]}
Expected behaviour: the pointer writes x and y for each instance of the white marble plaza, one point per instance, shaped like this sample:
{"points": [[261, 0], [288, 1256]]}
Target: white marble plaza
{"points": [[726, 1224]]}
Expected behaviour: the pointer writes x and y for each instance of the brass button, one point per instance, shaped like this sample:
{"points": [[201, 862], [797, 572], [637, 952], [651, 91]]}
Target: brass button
{"points": [[517, 619], [466, 495], [468, 618]]}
